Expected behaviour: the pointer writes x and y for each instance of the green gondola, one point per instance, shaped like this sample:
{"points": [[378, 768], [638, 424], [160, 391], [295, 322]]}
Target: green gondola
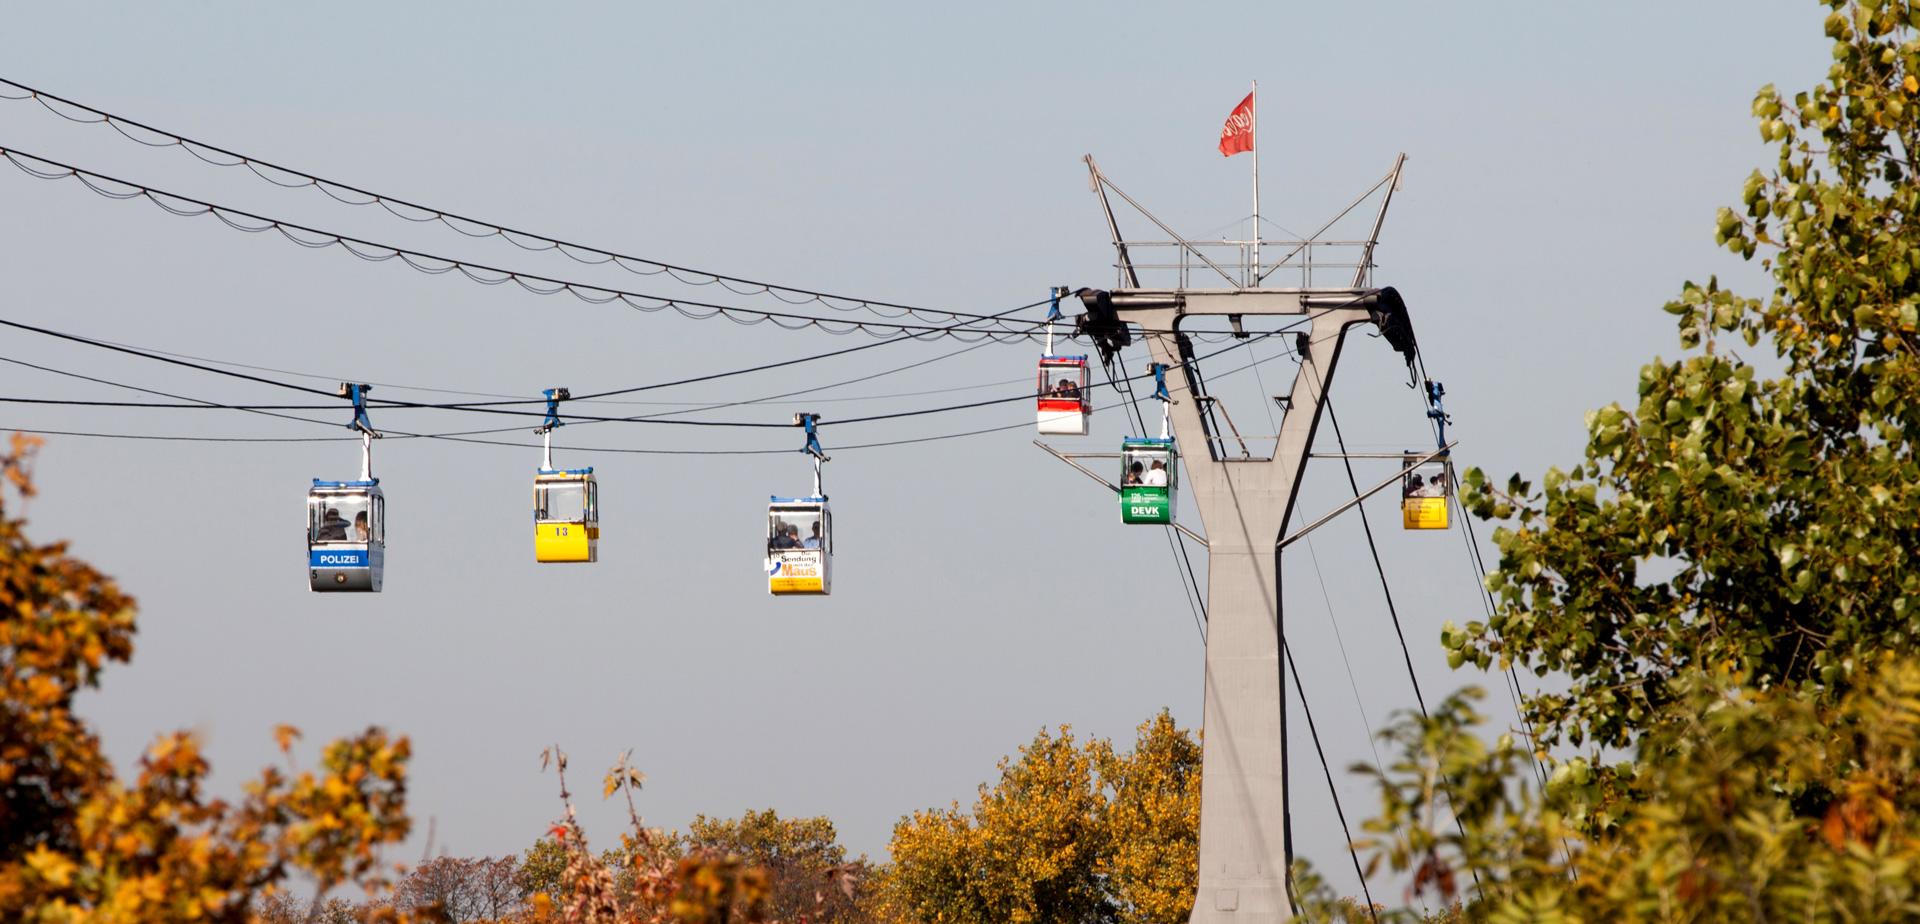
{"points": [[1149, 478]]}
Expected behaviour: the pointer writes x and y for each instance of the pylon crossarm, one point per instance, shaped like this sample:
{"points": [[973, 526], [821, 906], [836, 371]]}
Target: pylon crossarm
{"points": [[1101, 178], [1392, 176], [1131, 276], [1379, 221], [1072, 459]]}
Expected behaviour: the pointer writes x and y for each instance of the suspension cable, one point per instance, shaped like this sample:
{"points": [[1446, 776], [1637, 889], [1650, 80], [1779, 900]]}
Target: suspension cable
{"points": [[1339, 812], [466, 436], [487, 274], [1405, 651], [1400, 632], [580, 253]]}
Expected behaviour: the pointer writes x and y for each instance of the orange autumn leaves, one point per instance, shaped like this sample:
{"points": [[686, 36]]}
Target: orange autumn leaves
{"points": [[80, 844]]}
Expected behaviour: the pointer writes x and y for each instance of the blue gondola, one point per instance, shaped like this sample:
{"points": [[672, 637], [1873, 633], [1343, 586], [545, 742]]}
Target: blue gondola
{"points": [[347, 520]]}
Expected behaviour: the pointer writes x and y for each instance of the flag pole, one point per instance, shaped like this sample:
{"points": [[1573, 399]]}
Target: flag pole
{"points": [[1256, 180]]}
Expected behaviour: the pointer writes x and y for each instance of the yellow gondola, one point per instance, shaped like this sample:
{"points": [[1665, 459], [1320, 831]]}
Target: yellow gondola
{"points": [[566, 515], [1426, 488], [566, 501], [1425, 491]]}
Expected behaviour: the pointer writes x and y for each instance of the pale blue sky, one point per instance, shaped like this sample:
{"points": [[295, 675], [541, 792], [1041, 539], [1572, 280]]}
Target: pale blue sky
{"points": [[1566, 160]]}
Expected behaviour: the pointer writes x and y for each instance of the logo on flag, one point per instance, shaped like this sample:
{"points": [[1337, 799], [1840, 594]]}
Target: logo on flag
{"points": [[1237, 134]]}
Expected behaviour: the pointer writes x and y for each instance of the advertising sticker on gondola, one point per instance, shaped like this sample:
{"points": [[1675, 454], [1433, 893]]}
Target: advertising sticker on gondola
{"points": [[1145, 505], [795, 572]]}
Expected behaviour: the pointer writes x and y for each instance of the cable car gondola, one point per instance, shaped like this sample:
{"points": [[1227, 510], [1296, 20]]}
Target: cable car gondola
{"points": [[800, 531], [1065, 407], [1149, 477], [347, 520], [1149, 468], [566, 501], [1426, 488]]}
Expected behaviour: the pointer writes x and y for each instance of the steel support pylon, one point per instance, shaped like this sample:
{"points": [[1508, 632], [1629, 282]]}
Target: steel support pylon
{"points": [[1245, 845]]}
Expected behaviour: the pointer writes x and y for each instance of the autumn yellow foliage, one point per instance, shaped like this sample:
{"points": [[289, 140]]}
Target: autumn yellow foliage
{"points": [[1069, 833]]}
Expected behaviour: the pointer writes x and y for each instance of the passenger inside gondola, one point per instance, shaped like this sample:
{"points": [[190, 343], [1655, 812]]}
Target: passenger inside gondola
{"points": [[342, 518], [1148, 467], [797, 529], [332, 527]]}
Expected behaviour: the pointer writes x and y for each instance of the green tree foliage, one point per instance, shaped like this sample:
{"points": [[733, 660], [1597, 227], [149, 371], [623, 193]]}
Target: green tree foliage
{"points": [[1730, 517], [1069, 833], [1752, 804], [542, 869], [79, 844], [1727, 578]]}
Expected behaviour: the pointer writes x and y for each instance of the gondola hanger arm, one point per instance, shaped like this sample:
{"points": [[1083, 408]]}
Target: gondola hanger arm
{"points": [[1357, 498], [1190, 534]]}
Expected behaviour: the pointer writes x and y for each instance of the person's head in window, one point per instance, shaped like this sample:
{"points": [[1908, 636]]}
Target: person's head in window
{"points": [[1133, 473], [360, 531], [332, 527]]}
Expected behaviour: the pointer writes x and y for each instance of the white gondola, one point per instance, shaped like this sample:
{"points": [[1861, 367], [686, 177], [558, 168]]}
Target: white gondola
{"points": [[800, 532], [1065, 405], [347, 520]]}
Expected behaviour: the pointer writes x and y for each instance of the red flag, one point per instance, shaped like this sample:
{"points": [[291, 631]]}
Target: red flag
{"points": [[1237, 134]]}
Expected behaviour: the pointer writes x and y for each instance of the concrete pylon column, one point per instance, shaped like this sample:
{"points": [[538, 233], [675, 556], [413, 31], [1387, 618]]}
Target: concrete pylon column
{"points": [[1244, 503]]}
